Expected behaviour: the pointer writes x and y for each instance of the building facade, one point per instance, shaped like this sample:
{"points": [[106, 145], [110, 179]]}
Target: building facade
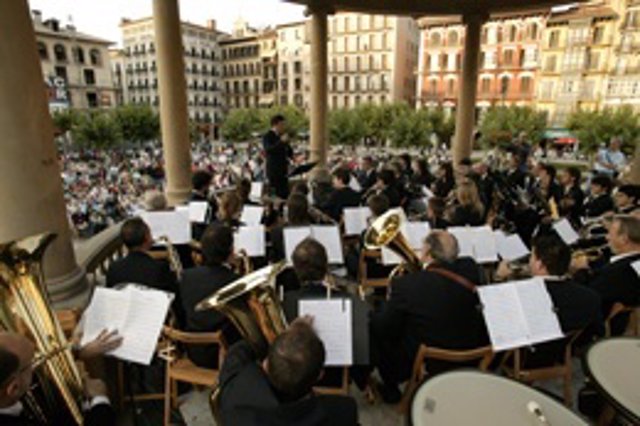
{"points": [[135, 68], [509, 61], [76, 66], [293, 64]]}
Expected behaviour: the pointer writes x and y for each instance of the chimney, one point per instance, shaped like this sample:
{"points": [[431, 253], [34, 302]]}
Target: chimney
{"points": [[36, 15], [211, 24]]}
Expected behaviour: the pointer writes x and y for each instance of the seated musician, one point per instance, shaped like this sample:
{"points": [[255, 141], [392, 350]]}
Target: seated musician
{"points": [[342, 195], [436, 208], [627, 199], [297, 215], [202, 281], [137, 266], [279, 389], [244, 191], [548, 186], [618, 281], [386, 184], [421, 174], [201, 181], [16, 375], [437, 306], [469, 209], [599, 201], [229, 210], [572, 199], [366, 175], [445, 180]]}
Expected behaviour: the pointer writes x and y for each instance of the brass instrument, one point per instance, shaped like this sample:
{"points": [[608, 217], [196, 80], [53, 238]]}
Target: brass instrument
{"points": [[173, 257], [25, 309], [386, 231], [553, 209], [591, 253], [242, 264]]}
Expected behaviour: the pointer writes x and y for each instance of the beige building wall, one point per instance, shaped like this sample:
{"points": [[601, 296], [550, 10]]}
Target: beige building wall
{"points": [[293, 64], [79, 59]]}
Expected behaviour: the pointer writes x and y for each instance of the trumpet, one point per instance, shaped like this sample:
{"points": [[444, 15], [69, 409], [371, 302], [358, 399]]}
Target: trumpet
{"points": [[175, 264], [591, 253]]}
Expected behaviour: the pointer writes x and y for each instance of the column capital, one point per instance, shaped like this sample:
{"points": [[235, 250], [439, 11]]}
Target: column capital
{"points": [[312, 9]]}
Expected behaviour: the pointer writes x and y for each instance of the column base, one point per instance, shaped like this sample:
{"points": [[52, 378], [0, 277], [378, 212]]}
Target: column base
{"points": [[176, 197], [70, 290]]}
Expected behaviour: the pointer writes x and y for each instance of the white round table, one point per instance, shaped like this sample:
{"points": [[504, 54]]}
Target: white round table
{"points": [[613, 365], [475, 398]]}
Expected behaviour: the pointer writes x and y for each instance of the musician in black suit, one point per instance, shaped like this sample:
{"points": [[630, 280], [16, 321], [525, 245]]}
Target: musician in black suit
{"points": [[627, 198], [201, 282], [278, 153], [599, 201], [548, 186], [572, 199], [437, 306], [342, 195], [367, 175], [200, 182], [16, 373], [386, 184], [515, 175], [279, 390], [138, 266], [619, 281]]}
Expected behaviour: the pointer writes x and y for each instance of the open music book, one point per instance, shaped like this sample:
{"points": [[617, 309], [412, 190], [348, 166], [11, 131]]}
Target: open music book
{"points": [[519, 313], [173, 224], [256, 191], [566, 231], [355, 220], [510, 247], [138, 314], [198, 211], [415, 233], [478, 242], [332, 320], [251, 239], [327, 235]]}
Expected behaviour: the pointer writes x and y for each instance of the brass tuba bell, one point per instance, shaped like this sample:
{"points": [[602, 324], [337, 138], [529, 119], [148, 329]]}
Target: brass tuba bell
{"points": [[25, 309], [386, 231]]}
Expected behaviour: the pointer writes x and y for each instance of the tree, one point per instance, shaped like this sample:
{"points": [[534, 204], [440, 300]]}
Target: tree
{"points": [[593, 128], [501, 124], [373, 117], [411, 128], [63, 120], [241, 124], [442, 125], [345, 128], [96, 130], [137, 123]]}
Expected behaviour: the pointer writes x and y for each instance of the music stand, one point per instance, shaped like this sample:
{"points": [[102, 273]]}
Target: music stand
{"points": [[302, 169]]}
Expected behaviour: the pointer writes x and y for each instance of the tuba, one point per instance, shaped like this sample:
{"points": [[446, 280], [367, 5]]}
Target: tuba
{"points": [[25, 309], [386, 231]]}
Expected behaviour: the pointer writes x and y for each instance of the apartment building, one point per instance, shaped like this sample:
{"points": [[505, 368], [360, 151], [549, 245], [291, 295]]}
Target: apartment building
{"points": [[293, 64]]}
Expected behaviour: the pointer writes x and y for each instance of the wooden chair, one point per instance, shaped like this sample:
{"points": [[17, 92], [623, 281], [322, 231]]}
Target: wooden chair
{"points": [[181, 369], [562, 371], [342, 389], [364, 281], [619, 309], [483, 355]]}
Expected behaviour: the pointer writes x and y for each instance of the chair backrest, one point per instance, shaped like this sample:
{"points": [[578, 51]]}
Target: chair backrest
{"points": [[363, 278], [197, 338], [619, 309], [483, 355]]}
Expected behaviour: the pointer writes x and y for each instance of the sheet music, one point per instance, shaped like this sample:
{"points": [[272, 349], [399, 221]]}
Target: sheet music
{"points": [[354, 184], [538, 309], [389, 257], [256, 191], [636, 267], [503, 316], [138, 315], [329, 237], [292, 237], [355, 220], [198, 211], [465, 240], [251, 239], [171, 224], [510, 247], [415, 233], [566, 231], [484, 244], [332, 320], [252, 215]]}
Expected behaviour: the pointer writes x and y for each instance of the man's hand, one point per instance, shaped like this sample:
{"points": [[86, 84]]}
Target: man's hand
{"points": [[105, 342], [94, 388], [504, 270]]}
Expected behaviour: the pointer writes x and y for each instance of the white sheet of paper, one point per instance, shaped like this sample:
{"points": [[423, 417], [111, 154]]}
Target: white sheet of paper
{"points": [[389, 257], [465, 240], [251, 239], [292, 237], [198, 211], [354, 184], [636, 267], [537, 307], [329, 237], [510, 247], [171, 224], [566, 231], [256, 191], [503, 316], [332, 320], [415, 233], [484, 245], [427, 193], [252, 215], [355, 220], [137, 314]]}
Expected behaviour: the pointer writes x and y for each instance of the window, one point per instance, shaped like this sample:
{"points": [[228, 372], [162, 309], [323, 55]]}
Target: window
{"points": [[60, 53], [43, 52], [61, 72], [525, 85], [96, 59], [92, 99], [485, 86], [346, 83], [433, 87], [513, 32], [334, 83], [297, 84], [554, 39], [593, 60], [508, 57], [297, 67], [451, 86], [598, 35], [504, 85], [452, 38], [435, 40], [550, 64], [89, 77], [532, 31]]}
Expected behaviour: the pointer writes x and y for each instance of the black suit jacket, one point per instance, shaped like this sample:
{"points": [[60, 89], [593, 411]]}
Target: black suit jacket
{"points": [[598, 206], [138, 267], [465, 215], [367, 179], [338, 200], [277, 155], [98, 415], [426, 307], [197, 284], [247, 398], [572, 203]]}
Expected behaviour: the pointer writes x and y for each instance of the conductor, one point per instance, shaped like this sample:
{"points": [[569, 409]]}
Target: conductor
{"points": [[278, 153]]}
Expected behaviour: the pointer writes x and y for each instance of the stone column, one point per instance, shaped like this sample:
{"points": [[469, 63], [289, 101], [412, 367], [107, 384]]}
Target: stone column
{"points": [[465, 112], [634, 174], [174, 118], [319, 142], [30, 184]]}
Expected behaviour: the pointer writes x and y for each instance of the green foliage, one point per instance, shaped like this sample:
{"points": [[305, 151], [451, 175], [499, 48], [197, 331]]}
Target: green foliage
{"points": [[410, 128], [593, 128], [96, 130], [345, 128], [442, 125], [501, 124], [137, 123], [240, 124], [374, 119], [64, 120]]}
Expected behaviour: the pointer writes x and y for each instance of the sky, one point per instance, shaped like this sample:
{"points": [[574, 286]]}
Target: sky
{"points": [[102, 17]]}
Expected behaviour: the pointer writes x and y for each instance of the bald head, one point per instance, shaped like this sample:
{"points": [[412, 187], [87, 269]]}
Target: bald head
{"points": [[440, 246]]}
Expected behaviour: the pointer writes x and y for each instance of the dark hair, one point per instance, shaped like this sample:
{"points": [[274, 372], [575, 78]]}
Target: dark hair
{"points": [[277, 119], [300, 188], [423, 167], [310, 261], [406, 159], [295, 361], [549, 169], [387, 177], [629, 226], [631, 191], [575, 173], [603, 181], [217, 244], [244, 189], [201, 179], [554, 254], [134, 232], [9, 364], [378, 204], [437, 205], [297, 209], [342, 174], [448, 170]]}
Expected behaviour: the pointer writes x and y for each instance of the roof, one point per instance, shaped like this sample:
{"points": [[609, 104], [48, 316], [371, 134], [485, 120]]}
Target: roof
{"points": [[125, 22], [65, 33], [439, 21], [426, 7], [583, 11], [291, 24]]}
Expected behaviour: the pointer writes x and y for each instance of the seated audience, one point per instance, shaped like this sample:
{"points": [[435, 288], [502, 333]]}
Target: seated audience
{"points": [[445, 180]]}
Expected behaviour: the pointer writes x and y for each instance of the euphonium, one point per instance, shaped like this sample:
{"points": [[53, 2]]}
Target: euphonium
{"points": [[25, 308], [252, 306], [387, 231]]}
